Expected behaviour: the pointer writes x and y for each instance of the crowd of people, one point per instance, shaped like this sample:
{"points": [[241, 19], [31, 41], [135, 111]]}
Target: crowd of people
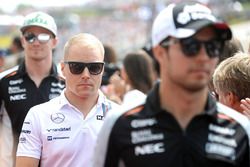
{"points": [[181, 101]]}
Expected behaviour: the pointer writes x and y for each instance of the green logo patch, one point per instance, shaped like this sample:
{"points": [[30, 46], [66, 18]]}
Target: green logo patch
{"points": [[38, 20]]}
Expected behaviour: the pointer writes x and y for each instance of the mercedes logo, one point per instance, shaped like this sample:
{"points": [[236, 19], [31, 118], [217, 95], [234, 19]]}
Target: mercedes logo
{"points": [[57, 118]]}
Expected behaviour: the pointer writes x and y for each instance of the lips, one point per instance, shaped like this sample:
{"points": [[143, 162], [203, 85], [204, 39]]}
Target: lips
{"points": [[85, 84]]}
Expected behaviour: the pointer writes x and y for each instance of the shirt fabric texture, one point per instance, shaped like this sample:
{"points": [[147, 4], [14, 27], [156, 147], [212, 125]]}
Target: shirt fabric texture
{"points": [[58, 134]]}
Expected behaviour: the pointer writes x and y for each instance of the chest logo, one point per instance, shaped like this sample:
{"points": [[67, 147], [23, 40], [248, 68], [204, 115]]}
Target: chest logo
{"points": [[57, 118]]}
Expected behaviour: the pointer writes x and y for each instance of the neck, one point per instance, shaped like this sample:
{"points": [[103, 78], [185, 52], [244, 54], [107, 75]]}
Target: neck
{"points": [[83, 104], [38, 70], [182, 104], [236, 106]]}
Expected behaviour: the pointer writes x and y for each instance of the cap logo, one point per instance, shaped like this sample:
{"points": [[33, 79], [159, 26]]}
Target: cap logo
{"points": [[194, 12], [37, 19]]}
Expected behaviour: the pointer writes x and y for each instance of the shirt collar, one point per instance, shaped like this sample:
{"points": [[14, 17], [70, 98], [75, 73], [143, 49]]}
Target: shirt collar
{"points": [[153, 102], [101, 102], [22, 70]]}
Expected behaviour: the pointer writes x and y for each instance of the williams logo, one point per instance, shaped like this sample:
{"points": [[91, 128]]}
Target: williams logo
{"points": [[57, 118]]}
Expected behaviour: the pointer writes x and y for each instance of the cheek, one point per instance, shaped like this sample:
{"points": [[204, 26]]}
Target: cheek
{"points": [[124, 74], [70, 80], [97, 80], [214, 62]]}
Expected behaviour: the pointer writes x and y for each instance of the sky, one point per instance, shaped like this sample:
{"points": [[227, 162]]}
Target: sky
{"points": [[11, 5]]}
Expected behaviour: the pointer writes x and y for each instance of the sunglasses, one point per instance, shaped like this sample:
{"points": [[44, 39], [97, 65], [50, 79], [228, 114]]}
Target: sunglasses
{"points": [[191, 46], [94, 68], [42, 38]]}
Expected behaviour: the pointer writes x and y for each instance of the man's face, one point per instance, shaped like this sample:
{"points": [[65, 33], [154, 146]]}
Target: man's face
{"points": [[35, 49], [191, 73], [84, 84]]}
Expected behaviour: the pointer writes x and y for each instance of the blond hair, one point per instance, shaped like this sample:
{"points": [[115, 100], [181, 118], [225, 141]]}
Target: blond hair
{"points": [[233, 75], [86, 40]]}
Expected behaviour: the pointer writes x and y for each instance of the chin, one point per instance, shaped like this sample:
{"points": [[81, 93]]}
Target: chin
{"points": [[196, 87], [83, 93]]}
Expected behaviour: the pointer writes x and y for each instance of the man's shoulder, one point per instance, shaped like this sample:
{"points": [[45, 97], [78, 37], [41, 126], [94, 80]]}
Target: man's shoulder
{"points": [[8, 73], [230, 115], [125, 111]]}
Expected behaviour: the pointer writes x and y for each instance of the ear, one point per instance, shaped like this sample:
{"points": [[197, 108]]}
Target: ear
{"points": [[22, 40], [232, 99], [159, 53], [55, 41], [62, 68]]}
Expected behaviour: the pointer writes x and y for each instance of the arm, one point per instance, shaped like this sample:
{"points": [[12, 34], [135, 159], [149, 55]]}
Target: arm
{"points": [[6, 140], [29, 148], [26, 162]]}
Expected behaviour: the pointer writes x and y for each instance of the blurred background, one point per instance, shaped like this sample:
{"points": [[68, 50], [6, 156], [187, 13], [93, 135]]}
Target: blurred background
{"points": [[125, 25]]}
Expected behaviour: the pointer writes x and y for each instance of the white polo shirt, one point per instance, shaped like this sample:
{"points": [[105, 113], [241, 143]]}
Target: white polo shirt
{"points": [[58, 134]]}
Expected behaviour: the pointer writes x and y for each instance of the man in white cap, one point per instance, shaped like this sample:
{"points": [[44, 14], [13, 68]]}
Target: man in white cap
{"points": [[32, 82], [179, 124]]}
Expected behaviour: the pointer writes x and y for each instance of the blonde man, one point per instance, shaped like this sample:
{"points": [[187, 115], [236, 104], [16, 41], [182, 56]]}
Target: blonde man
{"points": [[231, 80], [63, 131]]}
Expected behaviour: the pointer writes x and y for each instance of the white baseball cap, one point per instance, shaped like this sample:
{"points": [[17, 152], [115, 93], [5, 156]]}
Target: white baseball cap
{"points": [[183, 20], [39, 19]]}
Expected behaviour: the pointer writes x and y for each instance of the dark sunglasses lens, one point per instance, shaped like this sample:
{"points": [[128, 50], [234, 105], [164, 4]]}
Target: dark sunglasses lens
{"points": [[95, 68], [190, 46], [214, 48], [30, 37], [76, 68]]}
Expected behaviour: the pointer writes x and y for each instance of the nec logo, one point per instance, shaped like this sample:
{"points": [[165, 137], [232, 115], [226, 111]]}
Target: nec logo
{"points": [[149, 149], [18, 97]]}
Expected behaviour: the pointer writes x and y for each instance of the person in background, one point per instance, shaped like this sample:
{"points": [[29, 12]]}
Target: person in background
{"points": [[16, 46], [110, 67], [179, 124], [135, 79], [231, 47], [32, 82], [231, 80], [1, 62], [63, 131], [148, 49], [14, 54]]}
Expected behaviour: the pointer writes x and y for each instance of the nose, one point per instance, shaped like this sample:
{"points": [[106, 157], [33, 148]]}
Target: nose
{"points": [[85, 73], [203, 53], [36, 41]]}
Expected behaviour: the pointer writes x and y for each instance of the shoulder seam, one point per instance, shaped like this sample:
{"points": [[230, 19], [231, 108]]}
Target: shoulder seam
{"points": [[134, 110], [9, 72]]}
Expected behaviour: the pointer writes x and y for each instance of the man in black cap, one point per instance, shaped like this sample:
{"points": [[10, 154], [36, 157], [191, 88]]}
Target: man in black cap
{"points": [[179, 124]]}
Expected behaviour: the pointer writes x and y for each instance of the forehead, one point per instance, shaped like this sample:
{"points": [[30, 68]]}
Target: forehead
{"points": [[205, 33], [36, 29], [84, 53]]}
